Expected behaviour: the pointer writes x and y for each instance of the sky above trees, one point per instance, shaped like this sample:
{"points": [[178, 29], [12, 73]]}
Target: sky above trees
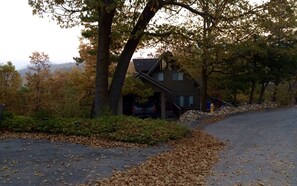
{"points": [[22, 33]]}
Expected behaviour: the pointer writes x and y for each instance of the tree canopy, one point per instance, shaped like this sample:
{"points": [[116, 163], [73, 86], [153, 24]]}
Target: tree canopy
{"points": [[130, 18], [205, 32]]}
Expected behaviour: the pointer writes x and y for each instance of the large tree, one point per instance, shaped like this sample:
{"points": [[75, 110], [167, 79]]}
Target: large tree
{"points": [[10, 82], [204, 42], [279, 25], [36, 81], [269, 55], [108, 15]]}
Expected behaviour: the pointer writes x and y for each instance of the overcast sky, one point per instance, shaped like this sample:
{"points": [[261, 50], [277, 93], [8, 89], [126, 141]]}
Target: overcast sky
{"points": [[21, 33]]}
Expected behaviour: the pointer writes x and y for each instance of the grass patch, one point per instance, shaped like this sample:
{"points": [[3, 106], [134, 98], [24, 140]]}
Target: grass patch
{"points": [[118, 128]]}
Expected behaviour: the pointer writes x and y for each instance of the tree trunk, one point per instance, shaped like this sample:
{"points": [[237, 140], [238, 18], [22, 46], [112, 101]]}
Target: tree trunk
{"points": [[235, 98], [263, 88], [205, 57], [251, 98], [92, 111], [203, 103], [274, 95], [126, 55], [291, 85], [106, 15]]}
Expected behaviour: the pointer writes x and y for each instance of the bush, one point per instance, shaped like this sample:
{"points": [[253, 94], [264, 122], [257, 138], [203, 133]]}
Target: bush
{"points": [[19, 124], [42, 115], [7, 115], [119, 128], [145, 131]]}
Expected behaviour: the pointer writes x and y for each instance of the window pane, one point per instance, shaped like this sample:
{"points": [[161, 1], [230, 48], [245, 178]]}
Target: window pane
{"points": [[180, 76], [174, 76], [181, 101], [177, 76], [191, 100], [161, 76], [186, 101]]}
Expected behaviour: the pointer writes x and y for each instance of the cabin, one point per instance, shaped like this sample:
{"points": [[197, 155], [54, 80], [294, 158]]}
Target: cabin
{"points": [[175, 91]]}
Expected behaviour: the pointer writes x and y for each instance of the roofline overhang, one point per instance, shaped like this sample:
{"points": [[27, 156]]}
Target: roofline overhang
{"points": [[154, 82]]}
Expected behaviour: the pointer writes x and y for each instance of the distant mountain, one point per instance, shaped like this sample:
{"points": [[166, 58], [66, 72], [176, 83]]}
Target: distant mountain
{"points": [[55, 67]]}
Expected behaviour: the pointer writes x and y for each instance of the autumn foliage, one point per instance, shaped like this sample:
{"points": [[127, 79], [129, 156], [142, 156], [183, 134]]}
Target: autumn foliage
{"points": [[10, 82]]}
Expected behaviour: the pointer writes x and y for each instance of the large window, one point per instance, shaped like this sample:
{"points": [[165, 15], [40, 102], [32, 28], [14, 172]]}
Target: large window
{"points": [[177, 76], [185, 101], [159, 76]]}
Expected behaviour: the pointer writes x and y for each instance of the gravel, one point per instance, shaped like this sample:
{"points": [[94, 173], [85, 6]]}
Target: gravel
{"points": [[261, 149]]}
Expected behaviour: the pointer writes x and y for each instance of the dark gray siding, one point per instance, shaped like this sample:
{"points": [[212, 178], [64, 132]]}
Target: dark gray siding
{"points": [[185, 87]]}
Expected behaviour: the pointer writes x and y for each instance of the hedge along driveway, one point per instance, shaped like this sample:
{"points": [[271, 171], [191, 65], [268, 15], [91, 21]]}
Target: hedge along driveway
{"points": [[117, 128], [42, 162]]}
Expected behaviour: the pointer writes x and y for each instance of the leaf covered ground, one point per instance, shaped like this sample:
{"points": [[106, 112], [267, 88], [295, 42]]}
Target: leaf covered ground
{"points": [[89, 141], [188, 163]]}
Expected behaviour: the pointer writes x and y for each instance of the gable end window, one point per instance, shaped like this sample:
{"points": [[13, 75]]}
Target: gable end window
{"points": [[158, 76], [178, 76]]}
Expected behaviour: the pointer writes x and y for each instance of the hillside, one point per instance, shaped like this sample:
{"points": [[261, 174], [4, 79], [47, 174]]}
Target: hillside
{"points": [[55, 67]]}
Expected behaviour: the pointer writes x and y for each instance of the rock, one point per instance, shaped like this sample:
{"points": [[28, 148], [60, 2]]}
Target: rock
{"points": [[194, 115]]}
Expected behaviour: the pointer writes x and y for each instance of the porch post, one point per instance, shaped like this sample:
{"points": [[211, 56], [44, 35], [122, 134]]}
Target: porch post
{"points": [[163, 109]]}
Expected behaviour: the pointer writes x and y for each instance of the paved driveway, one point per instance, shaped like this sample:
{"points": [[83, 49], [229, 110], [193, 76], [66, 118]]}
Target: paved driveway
{"points": [[42, 162], [262, 149]]}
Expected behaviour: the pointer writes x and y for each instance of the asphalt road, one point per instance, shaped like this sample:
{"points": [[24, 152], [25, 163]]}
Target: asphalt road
{"points": [[261, 150], [42, 162]]}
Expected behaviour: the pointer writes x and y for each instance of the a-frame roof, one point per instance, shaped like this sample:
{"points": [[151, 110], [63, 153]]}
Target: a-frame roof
{"points": [[145, 65]]}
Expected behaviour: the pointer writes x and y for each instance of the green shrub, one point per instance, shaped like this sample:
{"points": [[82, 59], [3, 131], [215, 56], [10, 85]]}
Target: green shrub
{"points": [[119, 128], [42, 115], [7, 115], [19, 124], [146, 131]]}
